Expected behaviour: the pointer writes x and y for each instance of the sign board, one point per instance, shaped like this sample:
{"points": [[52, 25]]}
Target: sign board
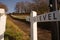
{"points": [[52, 16], [27, 18], [47, 17]]}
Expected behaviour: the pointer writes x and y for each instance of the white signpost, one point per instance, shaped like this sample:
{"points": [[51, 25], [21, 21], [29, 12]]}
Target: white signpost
{"points": [[33, 25], [48, 17], [2, 23]]}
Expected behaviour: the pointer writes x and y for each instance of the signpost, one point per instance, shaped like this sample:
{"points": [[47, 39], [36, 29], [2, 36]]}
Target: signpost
{"points": [[2, 23], [48, 17], [33, 25], [53, 17]]}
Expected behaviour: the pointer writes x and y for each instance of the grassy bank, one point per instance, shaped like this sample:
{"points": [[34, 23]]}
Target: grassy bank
{"points": [[13, 32], [19, 16]]}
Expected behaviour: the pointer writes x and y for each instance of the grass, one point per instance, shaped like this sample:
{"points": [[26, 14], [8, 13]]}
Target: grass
{"points": [[13, 32], [19, 16]]}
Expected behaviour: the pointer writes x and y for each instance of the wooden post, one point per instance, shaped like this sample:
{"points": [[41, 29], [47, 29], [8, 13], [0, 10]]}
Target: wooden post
{"points": [[2, 23], [33, 25]]}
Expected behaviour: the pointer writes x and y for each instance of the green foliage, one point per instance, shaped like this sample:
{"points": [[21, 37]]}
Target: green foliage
{"points": [[12, 33]]}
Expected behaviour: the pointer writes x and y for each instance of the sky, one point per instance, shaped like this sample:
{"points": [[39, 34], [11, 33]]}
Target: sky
{"points": [[11, 4]]}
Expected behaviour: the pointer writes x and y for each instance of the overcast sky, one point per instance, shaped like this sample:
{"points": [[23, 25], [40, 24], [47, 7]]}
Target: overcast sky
{"points": [[11, 3]]}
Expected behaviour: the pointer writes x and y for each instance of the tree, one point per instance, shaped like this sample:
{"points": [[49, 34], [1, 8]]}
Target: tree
{"points": [[27, 7], [42, 6], [19, 7], [23, 7], [3, 6]]}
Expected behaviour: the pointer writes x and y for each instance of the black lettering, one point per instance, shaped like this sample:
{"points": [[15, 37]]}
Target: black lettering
{"points": [[54, 16], [49, 16], [44, 17]]}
